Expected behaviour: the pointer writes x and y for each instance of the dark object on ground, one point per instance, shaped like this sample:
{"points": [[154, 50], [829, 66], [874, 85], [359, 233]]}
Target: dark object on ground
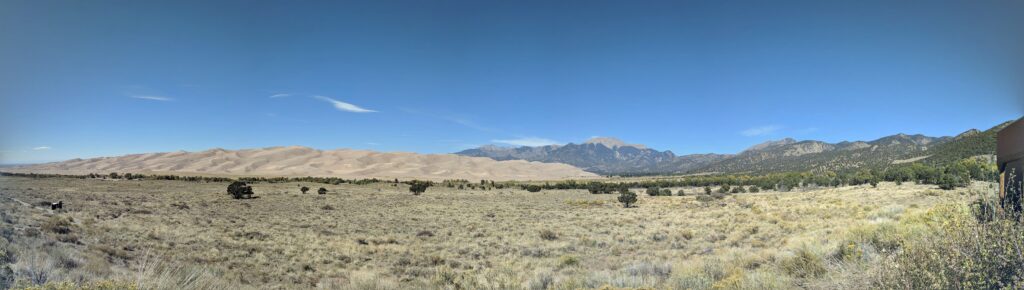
{"points": [[240, 190], [417, 187], [627, 198], [1010, 156], [57, 205], [322, 191]]}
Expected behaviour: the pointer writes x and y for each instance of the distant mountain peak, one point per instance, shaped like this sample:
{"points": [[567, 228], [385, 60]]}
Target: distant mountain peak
{"points": [[967, 133], [612, 142], [771, 143], [494, 147]]}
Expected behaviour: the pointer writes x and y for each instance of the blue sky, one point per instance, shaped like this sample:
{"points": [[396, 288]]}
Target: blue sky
{"points": [[100, 78]]}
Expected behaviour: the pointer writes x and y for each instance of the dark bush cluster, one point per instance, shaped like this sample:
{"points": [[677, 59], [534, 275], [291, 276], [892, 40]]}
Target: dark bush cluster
{"points": [[604, 187], [418, 187], [240, 190], [655, 191], [466, 184], [548, 235]]}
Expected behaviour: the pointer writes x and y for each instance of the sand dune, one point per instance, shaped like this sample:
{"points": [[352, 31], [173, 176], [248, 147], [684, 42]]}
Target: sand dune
{"points": [[304, 161]]}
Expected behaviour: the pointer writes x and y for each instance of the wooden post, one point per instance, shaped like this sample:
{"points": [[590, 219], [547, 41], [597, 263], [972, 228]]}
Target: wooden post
{"points": [[1002, 185], [1009, 158]]}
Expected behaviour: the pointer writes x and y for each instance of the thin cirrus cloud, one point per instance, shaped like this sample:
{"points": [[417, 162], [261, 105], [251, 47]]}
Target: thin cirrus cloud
{"points": [[153, 98], [343, 106], [527, 141], [41, 148], [275, 96], [455, 120], [760, 131], [468, 123]]}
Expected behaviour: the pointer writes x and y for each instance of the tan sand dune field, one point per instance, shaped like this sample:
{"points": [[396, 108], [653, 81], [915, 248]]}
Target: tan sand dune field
{"points": [[294, 161]]}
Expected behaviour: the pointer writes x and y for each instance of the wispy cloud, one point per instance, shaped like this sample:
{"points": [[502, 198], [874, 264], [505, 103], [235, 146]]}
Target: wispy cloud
{"points": [[468, 123], [274, 96], [153, 98], [343, 106], [41, 148], [527, 141], [456, 120], [760, 131]]}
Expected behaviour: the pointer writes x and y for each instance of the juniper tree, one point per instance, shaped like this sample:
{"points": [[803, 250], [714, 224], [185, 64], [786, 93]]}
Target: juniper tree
{"points": [[627, 198]]}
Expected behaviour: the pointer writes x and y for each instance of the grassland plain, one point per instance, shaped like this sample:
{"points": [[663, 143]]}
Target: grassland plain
{"points": [[181, 235]]}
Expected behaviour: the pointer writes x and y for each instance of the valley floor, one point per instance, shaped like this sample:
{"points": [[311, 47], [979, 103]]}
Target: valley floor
{"points": [[177, 234]]}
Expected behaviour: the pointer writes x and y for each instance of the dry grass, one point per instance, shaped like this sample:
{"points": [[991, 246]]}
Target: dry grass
{"points": [[381, 237]]}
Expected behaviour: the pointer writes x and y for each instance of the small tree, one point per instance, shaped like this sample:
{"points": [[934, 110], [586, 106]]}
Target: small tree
{"points": [[533, 188], [418, 187], [724, 189], [627, 198], [304, 189], [653, 191], [322, 191], [666, 192], [240, 190], [948, 182], [707, 190]]}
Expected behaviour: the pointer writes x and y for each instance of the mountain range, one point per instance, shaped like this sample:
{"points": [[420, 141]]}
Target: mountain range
{"points": [[602, 155], [610, 156]]}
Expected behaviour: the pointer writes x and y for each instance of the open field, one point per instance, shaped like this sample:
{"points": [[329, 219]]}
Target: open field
{"points": [[379, 236]]}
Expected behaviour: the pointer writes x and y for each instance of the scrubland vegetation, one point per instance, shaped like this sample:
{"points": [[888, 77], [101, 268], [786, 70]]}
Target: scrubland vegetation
{"points": [[166, 234]]}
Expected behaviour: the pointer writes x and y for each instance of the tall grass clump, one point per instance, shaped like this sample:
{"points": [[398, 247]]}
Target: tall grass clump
{"points": [[964, 247]]}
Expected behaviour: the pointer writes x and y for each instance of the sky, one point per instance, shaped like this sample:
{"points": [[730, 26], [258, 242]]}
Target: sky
{"points": [[106, 78]]}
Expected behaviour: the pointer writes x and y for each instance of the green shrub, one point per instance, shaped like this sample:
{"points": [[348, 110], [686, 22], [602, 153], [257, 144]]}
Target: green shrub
{"points": [[418, 187], [725, 188], [57, 225], [548, 235], [568, 261], [959, 250], [627, 198], [804, 263]]}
